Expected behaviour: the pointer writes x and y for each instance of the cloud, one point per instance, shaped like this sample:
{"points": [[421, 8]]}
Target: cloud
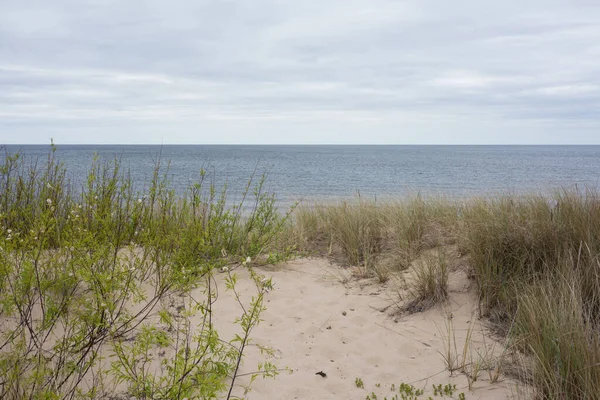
{"points": [[274, 71]]}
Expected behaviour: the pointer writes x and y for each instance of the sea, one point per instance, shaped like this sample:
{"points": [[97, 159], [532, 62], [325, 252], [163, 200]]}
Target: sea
{"points": [[309, 173]]}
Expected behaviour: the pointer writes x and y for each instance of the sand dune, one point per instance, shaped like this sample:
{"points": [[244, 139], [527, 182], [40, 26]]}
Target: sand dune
{"points": [[320, 318]]}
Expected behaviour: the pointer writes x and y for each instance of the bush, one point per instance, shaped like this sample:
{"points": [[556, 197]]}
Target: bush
{"points": [[86, 275]]}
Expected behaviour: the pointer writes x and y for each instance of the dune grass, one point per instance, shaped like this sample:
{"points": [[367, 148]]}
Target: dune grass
{"points": [[535, 259], [555, 326], [429, 285], [367, 234]]}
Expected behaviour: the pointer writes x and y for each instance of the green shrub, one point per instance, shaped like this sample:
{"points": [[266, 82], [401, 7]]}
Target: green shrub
{"points": [[85, 271]]}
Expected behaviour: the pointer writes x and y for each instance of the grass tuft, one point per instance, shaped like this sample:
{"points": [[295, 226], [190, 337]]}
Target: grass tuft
{"points": [[429, 285]]}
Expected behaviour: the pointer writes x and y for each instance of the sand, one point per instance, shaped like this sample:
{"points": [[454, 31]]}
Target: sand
{"points": [[320, 317]]}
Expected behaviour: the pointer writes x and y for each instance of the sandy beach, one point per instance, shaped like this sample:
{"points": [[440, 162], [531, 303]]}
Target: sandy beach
{"points": [[320, 317]]}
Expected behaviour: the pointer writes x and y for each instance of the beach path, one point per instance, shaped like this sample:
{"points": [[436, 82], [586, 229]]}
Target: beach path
{"points": [[320, 318]]}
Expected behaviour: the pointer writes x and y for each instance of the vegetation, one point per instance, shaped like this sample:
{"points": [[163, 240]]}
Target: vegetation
{"points": [[106, 291], [536, 262], [535, 259], [359, 383], [430, 283], [109, 290], [371, 235], [407, 391]]}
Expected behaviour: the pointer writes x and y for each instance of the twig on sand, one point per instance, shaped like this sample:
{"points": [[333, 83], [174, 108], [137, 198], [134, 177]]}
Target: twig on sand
{"points": [[427, 377], [383, 309], [408, 337]]}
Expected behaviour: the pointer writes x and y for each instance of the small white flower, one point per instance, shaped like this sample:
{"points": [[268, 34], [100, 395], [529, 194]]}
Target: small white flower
{"points": [[135, 233], [248, 259], [35, 238], [224, 269], [49, 201], [79, 206], [9, 231], [70, 274], [139, 200]]}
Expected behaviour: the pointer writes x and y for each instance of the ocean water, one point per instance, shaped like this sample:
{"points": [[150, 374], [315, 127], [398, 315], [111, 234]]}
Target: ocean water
{"points": [[340, 172]]}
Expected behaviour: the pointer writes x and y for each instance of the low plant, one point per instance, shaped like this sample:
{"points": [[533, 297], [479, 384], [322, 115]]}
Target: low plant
{"points": [[407, 391], [451, 356], [429, 285], [88, 275]]}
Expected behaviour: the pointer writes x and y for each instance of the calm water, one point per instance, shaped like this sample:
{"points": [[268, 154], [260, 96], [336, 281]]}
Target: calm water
{"points": [[334, 172]]}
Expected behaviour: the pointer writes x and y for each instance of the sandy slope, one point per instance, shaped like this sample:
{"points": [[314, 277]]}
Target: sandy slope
{"points": [[319, 318]]}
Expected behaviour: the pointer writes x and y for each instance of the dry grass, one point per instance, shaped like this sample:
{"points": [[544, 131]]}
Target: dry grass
{"points": [[429, 285], [522, 240], [371, 235], [552, 325], [535, 260]]}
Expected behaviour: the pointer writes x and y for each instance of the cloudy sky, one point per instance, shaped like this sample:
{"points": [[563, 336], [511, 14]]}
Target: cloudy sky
{"points": [[300, 71]]}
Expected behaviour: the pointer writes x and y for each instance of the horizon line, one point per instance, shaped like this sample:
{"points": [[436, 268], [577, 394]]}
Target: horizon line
{"points": [[301, 144]]}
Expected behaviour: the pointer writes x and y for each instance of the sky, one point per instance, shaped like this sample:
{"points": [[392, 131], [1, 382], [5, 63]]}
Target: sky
{"points": [[300, 72]]}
